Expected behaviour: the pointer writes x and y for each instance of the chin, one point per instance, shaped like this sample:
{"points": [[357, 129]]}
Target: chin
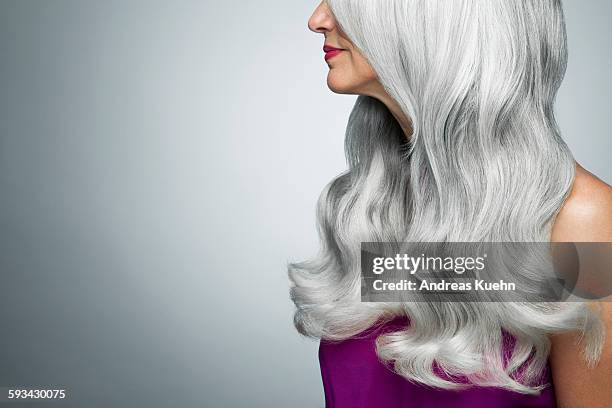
{"points": [[338, 83]]}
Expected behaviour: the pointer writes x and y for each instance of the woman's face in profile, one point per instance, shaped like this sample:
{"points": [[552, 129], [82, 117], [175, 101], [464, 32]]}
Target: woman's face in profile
{"points": [[349, 71]]}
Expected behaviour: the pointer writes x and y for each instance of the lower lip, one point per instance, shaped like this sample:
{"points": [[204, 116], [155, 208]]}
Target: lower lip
{"points": [[332, 54]]}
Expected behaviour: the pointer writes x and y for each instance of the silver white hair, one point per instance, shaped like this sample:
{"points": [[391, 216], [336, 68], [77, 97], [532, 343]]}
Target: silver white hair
{"points": [[486, 163]]}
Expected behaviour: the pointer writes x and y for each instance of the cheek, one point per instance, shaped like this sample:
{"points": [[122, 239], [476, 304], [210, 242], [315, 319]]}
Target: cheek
{"points": [[352, 75], [363, 70]]}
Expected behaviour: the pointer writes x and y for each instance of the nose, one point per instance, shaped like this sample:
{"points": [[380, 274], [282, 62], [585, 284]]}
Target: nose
{"points": [[322, 20]]}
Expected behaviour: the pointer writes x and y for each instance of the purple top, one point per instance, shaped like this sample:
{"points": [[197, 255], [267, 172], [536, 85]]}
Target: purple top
{"points": [[354, 377]]}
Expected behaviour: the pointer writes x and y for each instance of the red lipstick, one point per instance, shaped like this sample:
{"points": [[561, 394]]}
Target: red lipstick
{"points": [[331, 52]]}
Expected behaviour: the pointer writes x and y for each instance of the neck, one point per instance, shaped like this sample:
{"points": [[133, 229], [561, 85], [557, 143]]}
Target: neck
{"points": [[403, 120]]}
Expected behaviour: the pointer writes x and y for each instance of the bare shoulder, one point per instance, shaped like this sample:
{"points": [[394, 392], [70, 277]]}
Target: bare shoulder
{"points": [[587, 213], [586, 216]]}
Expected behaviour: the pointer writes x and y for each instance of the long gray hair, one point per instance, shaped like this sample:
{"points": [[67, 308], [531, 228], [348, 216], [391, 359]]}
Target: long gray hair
{"points": [[486, 163]]}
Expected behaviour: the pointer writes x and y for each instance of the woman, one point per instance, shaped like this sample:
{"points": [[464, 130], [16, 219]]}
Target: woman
{"points": [[452, 138]]}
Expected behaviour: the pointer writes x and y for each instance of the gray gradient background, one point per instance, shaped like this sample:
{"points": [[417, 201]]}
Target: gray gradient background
{"points": [[159, 165]]}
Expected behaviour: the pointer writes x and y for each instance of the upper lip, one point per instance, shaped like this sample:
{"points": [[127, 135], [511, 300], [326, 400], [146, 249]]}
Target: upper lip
{"points": [[329, 48]]}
